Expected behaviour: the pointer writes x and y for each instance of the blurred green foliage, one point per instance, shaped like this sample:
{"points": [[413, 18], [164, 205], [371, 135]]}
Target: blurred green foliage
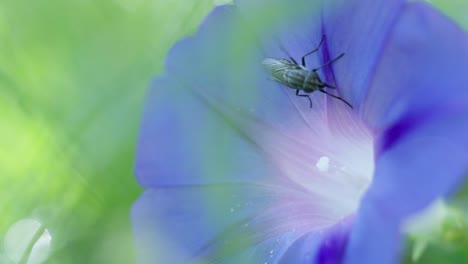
{"points": [[448, 241], [73, 76], [456, 9]]}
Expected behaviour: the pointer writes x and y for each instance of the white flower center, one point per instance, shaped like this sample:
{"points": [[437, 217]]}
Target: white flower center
{"points": [[334, 164]]}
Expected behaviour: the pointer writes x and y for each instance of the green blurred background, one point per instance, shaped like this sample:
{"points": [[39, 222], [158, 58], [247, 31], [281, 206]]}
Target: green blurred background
{"points": [[73, 76]]}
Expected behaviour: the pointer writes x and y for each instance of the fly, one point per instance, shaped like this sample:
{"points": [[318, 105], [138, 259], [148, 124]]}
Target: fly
{"points": [[289, 73]]}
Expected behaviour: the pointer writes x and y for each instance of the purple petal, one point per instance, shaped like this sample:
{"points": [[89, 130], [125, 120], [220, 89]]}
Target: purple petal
{"points": [[223, 62], [422, 69], [374, 238], [303, 250], [181, 136], [334, 243], [175, 225], [347, 27], [216, 47], [419, 105], [425, 164], [326, 246], [195, 116], [359, 29]]}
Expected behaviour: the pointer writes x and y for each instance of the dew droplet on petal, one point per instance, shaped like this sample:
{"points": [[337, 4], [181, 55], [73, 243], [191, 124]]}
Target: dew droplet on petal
{"points": [[323, 164]]}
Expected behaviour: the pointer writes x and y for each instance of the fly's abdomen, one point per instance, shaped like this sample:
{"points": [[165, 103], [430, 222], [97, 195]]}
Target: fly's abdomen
{"points": [[312, 82], [295, 78]]}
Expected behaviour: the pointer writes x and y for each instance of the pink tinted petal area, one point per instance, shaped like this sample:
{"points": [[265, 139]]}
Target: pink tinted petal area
{"points": [[418, 105], [335, 166]]}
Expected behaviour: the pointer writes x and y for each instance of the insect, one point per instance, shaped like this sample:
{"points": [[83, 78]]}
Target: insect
{"points": [[289, 73]]}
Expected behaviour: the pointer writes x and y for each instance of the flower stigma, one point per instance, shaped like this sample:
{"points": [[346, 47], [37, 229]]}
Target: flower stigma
{"points": [[335, 169]]}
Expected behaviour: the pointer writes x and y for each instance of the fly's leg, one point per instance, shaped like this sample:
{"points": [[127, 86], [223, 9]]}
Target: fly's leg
{"points": [[337, 97], [328, 63], [287, 53], [304, 95], [315, 50]]}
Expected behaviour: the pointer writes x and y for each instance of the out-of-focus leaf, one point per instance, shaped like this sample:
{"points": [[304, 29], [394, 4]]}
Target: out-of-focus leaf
{"points": [[456, 9], [73, 76], [447, 242]]}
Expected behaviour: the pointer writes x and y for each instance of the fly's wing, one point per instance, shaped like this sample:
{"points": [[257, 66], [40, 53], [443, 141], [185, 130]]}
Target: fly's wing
{"points": [[277, 68]]}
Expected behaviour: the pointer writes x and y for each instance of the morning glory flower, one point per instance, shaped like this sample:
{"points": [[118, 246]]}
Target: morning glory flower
{"points": [[238, 169]]}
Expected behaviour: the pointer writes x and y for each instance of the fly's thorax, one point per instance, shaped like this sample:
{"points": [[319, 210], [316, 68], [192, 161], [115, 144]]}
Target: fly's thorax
{"points": [[312, 82]]}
